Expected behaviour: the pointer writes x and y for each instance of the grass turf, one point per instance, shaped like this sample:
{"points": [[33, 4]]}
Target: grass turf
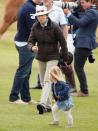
{"points": [[25, 117]]}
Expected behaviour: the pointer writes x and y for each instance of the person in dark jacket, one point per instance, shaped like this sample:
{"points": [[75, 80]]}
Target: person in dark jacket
{"points": [[55, 15], [44, 40], [60, 91], [85, 41], [25, 20]]}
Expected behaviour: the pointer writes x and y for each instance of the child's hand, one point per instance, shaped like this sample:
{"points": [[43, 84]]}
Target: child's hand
{"points": [[66, 65], [58, 97]]}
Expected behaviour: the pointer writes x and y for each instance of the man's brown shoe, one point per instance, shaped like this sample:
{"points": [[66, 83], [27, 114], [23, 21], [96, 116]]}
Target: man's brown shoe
{"points": [[79, 94]]}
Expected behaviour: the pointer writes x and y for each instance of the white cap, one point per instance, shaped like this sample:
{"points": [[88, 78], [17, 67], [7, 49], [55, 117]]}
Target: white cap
{"points": [[41, 10]]}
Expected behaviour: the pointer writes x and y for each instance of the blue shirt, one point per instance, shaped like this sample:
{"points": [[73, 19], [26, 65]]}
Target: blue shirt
{"points": [[25, 20], [60, 89], [60, 92]]}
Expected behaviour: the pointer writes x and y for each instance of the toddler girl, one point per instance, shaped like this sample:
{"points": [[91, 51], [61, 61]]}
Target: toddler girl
{"points": [[60, 91]]}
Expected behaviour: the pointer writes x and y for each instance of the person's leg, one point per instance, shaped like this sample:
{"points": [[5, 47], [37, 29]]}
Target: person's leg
{"points": [[41, 70], [38, 84], [38, 81], [24, 92], [17, 84], [45, 100], [27, 60], [70, 78], [21, 79], [47, 84], [55, 115], [69, 118], [80, 58]]}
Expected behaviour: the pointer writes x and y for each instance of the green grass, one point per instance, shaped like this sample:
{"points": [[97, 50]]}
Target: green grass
{"points": [[25, 117]]}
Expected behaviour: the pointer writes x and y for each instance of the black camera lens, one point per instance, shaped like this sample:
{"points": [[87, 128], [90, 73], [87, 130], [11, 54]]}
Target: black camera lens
{"points": [[70, 58], [91, 58]]}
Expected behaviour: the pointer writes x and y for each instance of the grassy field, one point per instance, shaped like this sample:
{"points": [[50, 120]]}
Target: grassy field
{"points": [[26, 117]]}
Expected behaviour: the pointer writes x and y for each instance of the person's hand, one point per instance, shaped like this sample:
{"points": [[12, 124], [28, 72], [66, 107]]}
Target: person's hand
{"points": [[66, 11], [58, 97], [35, 48], [66, 65]]}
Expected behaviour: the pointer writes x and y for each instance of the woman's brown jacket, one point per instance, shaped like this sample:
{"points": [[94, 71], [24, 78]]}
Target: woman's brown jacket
{"points": [[49, 39]]}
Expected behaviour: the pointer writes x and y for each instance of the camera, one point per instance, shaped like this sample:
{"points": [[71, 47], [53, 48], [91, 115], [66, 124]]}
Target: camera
{"points": [[91, 58], [69, 5]]}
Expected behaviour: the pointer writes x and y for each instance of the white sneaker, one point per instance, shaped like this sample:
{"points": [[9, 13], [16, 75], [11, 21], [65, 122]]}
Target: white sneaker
{"points": [[19, 101]]}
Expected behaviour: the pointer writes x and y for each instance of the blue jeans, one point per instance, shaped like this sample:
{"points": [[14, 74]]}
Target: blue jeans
{"points": [[21, 79]]}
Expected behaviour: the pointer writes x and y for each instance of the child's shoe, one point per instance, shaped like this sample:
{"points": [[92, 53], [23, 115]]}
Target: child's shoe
{"points": [[70, 125], [54, 123]]}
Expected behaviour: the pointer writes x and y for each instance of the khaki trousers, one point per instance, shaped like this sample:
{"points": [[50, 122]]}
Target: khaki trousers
{"points": [[44, 68]]}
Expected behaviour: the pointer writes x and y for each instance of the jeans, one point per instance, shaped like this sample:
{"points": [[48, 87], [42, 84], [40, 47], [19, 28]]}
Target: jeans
{"points": [[80, 57], [21, 79]]}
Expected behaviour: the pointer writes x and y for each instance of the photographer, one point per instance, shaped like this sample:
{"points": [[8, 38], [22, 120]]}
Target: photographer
{"points": [[85, 41]]}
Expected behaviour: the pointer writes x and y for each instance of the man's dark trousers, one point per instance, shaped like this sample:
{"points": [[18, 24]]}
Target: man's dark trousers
{"points": [[80, 57]]}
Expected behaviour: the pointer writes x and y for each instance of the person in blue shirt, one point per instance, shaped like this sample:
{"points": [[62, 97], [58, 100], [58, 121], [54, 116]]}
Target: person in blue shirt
{"points": [[84, 42], [25, 20], [60, 91]]}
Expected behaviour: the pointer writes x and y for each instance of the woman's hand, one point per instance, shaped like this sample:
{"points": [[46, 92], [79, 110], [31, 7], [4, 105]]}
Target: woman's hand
{"points": [[35, 48]]}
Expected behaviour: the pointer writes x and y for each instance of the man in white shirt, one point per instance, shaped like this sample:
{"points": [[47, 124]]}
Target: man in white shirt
{"points": [[57, 15]]}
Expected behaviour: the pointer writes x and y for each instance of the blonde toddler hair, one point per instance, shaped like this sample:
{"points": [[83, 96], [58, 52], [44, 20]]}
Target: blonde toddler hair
{"points": [[56, 73]]}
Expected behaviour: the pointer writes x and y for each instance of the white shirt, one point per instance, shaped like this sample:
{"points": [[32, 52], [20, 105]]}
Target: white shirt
{"points": [[57, 15], [20, 44]]}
